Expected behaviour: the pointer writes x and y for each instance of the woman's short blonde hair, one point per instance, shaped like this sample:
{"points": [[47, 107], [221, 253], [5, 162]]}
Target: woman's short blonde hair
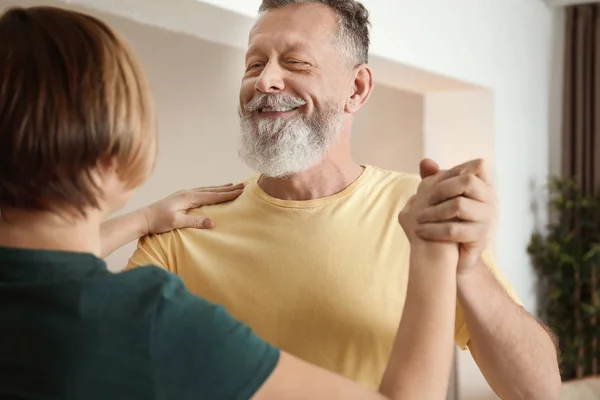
{"points": [[72, 96]]}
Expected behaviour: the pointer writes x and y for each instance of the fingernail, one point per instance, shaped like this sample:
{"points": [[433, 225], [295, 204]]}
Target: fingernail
{"points": [[208, 223]]}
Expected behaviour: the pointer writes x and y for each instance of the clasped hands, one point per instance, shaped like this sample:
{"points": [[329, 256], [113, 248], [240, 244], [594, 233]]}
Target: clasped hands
{"points": [[453, 206]]}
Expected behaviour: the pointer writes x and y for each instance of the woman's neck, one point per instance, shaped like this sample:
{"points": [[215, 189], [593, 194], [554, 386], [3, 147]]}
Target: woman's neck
{"points": [[51, 231]]}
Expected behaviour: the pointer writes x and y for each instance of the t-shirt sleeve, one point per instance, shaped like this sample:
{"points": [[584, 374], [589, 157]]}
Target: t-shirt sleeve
{"points": [[151, 250], [461, 330], [200, 351]]}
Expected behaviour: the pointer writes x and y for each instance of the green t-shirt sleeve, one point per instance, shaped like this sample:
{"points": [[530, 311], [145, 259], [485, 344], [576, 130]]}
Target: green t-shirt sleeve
{"points": [[200, 351]]}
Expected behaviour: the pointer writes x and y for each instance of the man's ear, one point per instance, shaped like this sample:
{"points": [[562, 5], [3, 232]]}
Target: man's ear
{"points": [[361, 89]]}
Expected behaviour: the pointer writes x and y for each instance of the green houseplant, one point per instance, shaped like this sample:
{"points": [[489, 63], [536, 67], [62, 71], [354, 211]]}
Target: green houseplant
{"points": [[566, 259]]}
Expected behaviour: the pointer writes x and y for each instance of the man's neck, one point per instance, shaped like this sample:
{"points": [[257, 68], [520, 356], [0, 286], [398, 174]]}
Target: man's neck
{"points": [[47, 231], [322, 180]]}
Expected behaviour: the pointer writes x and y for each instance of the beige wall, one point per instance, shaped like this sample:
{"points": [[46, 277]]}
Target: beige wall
{"points": [[388, 131], [195, 86], [459, 127]]}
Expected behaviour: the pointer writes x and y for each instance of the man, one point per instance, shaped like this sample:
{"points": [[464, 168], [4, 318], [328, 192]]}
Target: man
{"points": [[306, 255]]}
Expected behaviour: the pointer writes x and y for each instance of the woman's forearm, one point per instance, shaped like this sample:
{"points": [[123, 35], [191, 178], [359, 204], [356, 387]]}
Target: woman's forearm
{"points": [[119, 231], [421, 358]]}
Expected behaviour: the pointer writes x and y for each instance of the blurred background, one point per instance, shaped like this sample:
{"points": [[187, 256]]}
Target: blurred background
{"points": [[513, 81]]}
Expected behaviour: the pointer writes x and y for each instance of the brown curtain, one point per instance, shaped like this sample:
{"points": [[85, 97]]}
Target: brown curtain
{"points": [[581, 115], [581, 162]]}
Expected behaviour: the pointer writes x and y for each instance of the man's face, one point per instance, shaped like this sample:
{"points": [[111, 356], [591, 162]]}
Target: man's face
{"points": [[293, 92]]}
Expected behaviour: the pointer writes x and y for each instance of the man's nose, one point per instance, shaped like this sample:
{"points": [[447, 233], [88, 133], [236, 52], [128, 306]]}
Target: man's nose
{"points": [[270, 80]]}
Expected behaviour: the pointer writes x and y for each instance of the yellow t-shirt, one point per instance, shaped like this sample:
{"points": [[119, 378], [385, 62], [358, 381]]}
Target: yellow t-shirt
{"points": [[322, 279]]}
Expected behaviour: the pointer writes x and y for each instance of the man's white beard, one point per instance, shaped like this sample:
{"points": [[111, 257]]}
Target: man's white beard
{"points": [[279, 148]]}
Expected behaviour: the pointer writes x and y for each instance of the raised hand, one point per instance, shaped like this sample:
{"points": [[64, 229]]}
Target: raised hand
{"points": [[461, 209]]}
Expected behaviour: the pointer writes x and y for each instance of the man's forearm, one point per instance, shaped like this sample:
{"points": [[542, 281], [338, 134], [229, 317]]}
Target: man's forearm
{"points": [[119, 231], [515, 353], [421, 358]]}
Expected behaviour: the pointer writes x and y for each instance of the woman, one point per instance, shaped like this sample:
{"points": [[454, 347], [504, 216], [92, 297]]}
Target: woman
{"points": [[77, 135]]}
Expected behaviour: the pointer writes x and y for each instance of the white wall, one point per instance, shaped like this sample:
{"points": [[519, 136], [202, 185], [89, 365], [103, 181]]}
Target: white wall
{"points": [[556, 92]]}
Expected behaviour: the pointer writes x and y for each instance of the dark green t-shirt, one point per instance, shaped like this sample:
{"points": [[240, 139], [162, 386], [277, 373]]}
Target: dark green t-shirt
{"points": [[70, 329]]}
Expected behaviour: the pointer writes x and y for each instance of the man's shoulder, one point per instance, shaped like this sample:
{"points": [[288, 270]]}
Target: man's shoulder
{"points": [[398, 183], [223, 212]]}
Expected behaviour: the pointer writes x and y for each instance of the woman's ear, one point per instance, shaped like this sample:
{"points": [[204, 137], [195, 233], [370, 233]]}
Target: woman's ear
{"points": [[107, 165], [361, 89]]}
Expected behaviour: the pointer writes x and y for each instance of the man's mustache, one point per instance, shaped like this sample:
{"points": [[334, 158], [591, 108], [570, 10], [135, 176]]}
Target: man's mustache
{"points": [[273, 101]]}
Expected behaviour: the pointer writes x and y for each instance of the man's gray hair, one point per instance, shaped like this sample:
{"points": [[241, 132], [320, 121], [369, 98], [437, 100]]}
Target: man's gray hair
{"points": [[353, 25]]}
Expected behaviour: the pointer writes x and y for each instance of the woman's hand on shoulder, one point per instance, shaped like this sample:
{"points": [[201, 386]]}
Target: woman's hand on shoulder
{"points": [[173, 212]]}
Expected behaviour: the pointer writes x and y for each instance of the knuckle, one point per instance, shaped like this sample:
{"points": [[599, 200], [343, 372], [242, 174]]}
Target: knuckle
{"points": [[426, 182], [452, 230], [402, 216], [192, 220], [455, 171], [470, 179], [457, 205], [428, 187], [199, 220], [480, 165], [171, 219], [187, 197]]}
